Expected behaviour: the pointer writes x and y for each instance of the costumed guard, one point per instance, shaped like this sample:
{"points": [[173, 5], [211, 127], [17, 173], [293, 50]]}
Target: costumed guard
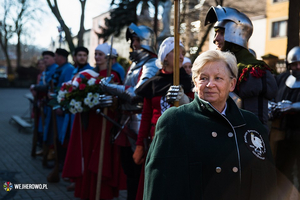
{"points": [[61, 131], [158, 93], [143, 67], [42, 89], [82, 160], [285, 114], [37, 111], [81, 58], [256, 83]]}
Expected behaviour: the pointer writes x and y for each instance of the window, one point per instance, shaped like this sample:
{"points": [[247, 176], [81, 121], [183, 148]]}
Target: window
{"points": [[279, 29], [275, 1]]}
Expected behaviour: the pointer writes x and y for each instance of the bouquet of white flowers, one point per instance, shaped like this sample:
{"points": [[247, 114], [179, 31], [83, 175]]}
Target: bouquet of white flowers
{"points": [[80, 94]]}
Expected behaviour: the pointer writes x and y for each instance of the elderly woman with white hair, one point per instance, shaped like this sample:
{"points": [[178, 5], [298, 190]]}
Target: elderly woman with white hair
{"points": [[209, 148], [154, 92]]}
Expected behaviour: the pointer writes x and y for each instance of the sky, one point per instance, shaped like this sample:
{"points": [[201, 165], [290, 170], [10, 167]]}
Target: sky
{"points": [[70, 11]]}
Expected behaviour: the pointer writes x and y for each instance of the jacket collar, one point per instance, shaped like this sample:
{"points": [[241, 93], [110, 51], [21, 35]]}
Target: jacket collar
{"points": [[233, 113]]}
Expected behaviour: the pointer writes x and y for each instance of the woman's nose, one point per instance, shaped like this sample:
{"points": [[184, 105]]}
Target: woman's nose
{"points": [[210, 84]]}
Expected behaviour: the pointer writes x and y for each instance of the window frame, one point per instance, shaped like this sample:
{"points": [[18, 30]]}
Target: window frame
{"points": [[272, 22], [279, 1]]}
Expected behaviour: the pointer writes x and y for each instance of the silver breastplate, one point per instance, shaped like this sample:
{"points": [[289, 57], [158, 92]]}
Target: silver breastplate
{"points": [[132, 75]]}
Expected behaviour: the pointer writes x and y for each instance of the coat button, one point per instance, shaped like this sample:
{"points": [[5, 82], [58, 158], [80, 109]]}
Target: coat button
{"points": [[214, 134], [235, 169], [230, 134], [218, 169]]}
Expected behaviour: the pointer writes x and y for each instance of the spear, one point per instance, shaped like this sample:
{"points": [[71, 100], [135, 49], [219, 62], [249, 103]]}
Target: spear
{"points": [[176, 47], [103, 131]]}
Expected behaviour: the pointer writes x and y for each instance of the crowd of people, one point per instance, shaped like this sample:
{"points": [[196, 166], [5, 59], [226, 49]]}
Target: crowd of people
{"points": [[217, 144]]}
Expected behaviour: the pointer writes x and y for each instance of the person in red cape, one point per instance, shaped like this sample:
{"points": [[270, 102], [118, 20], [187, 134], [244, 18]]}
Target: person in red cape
{"points": [[82, 160], [156, 93]]}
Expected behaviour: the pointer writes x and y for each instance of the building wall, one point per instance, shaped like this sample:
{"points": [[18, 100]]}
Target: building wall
{"points": [[94, 40], [276, 12], [257, 40], [87, 40], [119, 43]]}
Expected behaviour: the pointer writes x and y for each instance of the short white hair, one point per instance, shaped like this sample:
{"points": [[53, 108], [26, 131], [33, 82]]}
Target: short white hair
{"points": [[213, 56]]}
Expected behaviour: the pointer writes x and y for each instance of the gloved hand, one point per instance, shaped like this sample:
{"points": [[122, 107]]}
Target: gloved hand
{"points": [[32, 86], [138, 155], [272, 111], [32, 90], [284, 105], [176, 93], [106, 81], [111, 88], [276, 109], [105, 100]]}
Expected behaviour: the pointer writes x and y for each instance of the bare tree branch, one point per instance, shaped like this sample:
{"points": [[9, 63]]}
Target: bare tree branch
{"points": [[56, 12], [81, 29], [6, 33], [25, 14]]}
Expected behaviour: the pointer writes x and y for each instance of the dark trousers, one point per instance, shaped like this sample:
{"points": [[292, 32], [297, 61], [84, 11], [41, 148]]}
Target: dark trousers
{"points": [[131, 170], [288, 154]]}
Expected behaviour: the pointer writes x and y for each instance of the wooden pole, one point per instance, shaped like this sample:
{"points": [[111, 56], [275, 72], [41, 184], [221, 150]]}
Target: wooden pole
{"points": [[53, 176], [103, 132], [36, 125], [176, 47], [100, 166]]}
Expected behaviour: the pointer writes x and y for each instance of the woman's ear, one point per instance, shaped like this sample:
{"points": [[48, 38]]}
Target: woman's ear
{"points": [[232, 84]]}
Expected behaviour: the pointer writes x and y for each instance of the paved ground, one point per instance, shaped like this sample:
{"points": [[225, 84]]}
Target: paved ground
{"points": [[18, 167], [16, 164]]}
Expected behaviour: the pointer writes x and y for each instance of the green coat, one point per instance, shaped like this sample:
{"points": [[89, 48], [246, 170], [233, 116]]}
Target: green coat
{"points": [[197, 153]]}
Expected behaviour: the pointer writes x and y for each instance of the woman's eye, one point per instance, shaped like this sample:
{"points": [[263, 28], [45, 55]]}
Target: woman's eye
{"points": [[203, 78]]}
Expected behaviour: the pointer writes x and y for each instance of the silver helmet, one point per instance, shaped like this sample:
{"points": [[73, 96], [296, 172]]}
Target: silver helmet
{"points": [[238, 27], [293, 55], [146, 35]]}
